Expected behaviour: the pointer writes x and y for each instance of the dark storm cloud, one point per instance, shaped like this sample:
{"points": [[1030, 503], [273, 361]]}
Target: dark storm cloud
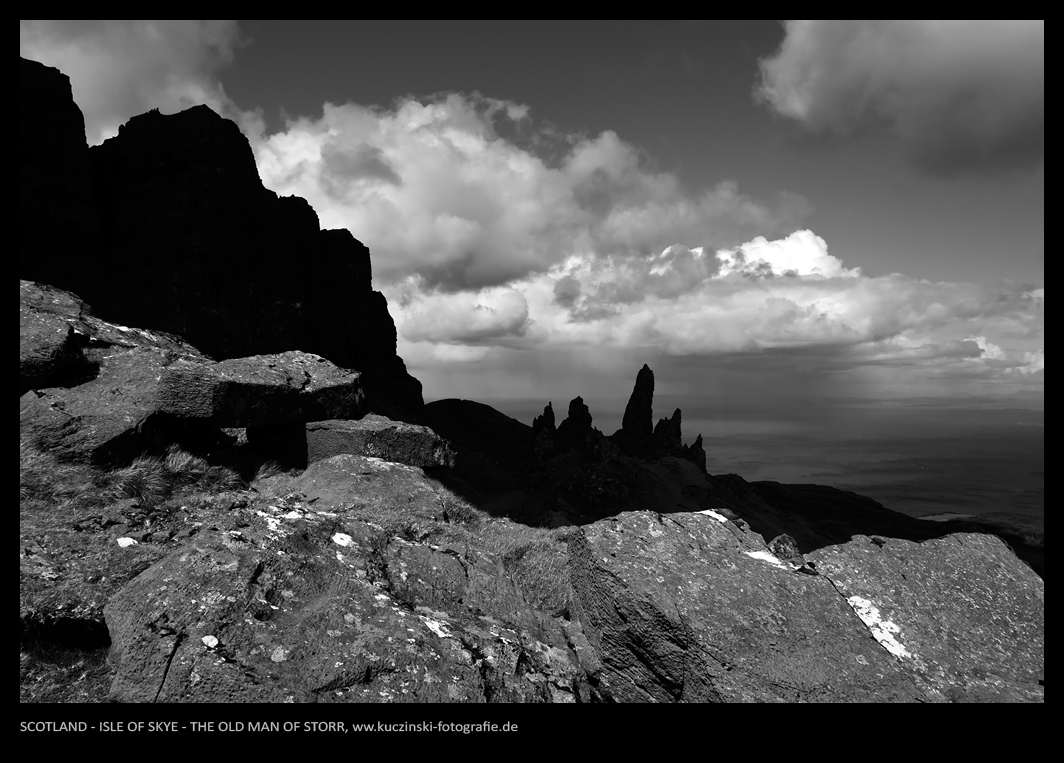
{"points": [[962, 96]]}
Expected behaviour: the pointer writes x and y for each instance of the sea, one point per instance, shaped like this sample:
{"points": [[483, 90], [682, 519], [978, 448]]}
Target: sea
{"points": [[927, 457]]}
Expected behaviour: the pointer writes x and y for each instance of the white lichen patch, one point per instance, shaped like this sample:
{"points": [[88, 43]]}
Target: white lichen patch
{"points": [[765, 556], [884, 631], [342, 539], [293, 515], [437, 627], [273, 524], [126, 542], [209, 641], [715, 515]]}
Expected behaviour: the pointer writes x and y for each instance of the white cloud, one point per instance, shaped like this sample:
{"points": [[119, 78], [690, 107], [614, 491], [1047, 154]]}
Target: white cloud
{"points": [[436, 191], [783, 296], [118, 69], [961, 95]]}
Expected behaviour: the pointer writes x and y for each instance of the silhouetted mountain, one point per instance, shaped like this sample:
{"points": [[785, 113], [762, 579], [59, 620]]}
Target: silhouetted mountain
{"points": [[167, 226]]}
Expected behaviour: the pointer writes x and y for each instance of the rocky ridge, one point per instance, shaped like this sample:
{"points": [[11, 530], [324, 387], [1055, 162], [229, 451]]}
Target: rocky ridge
{"points": [[167, 226]]}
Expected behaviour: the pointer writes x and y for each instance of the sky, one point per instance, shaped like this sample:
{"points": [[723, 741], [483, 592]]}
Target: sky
{"points": [[762, 211]]}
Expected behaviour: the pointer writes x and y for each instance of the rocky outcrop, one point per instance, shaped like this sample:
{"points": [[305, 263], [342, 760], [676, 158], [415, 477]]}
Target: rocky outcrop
{"points": [[692, 607], [298, 445], [961, 613], [668, 431], [574, 431], [639, 413], [107, 393], [318, 598], [232, 268], [379, 437], [103, 403], [543, 432], [258, 391], [346, 584]]}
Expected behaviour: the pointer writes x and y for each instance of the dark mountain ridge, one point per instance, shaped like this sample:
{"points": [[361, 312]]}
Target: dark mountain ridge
{"points": [[167, 227]]}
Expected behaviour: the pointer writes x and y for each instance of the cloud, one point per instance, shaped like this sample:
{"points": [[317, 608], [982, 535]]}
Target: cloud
{"points": [[456, 191], [784, 306], [118, 69], [487, 317], [962, 96]]}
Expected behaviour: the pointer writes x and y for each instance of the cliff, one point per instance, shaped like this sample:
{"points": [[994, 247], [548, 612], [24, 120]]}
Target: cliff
{"points": [[168, 227]]}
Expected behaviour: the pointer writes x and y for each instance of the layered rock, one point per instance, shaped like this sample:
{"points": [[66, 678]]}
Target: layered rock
{"points": [[262, 390], [107, 393], [692, 607], [298, 445], [378, 437], [91, 385], [173, 231]]}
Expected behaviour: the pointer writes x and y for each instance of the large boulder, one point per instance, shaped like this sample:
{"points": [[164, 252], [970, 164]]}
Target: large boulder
{"points": [[297, 445], [89, 386], [107, 420], [260, 390], [312, 597], [694, 607], [961, 612], [378, 436], [233, 268]]}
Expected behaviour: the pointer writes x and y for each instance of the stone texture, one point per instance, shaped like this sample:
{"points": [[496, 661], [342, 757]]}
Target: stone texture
{"points": [[48, 346], [260, 390], [678, 609], [969, 615], [378, 436], [107, 420], [638, 418], [309, 602], [233, 268], [695, 607]]}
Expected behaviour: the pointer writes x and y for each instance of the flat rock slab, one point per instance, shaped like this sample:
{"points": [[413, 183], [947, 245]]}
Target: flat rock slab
{"points": [[965, 614], [350, 483], [380, 437], [260, 390], [686, 607]]}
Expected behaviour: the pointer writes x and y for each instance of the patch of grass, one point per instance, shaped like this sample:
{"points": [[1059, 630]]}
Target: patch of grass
{"points": [[58, 674], [46, 481]]}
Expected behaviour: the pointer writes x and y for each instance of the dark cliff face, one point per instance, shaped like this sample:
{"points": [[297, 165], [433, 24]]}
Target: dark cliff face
{"points": [[167, 226]]}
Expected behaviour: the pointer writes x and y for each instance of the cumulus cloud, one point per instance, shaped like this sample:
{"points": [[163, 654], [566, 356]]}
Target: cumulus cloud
{"points": [[489, 316], [786, 300], [436, 189], [118, 69], [961, 95]]}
